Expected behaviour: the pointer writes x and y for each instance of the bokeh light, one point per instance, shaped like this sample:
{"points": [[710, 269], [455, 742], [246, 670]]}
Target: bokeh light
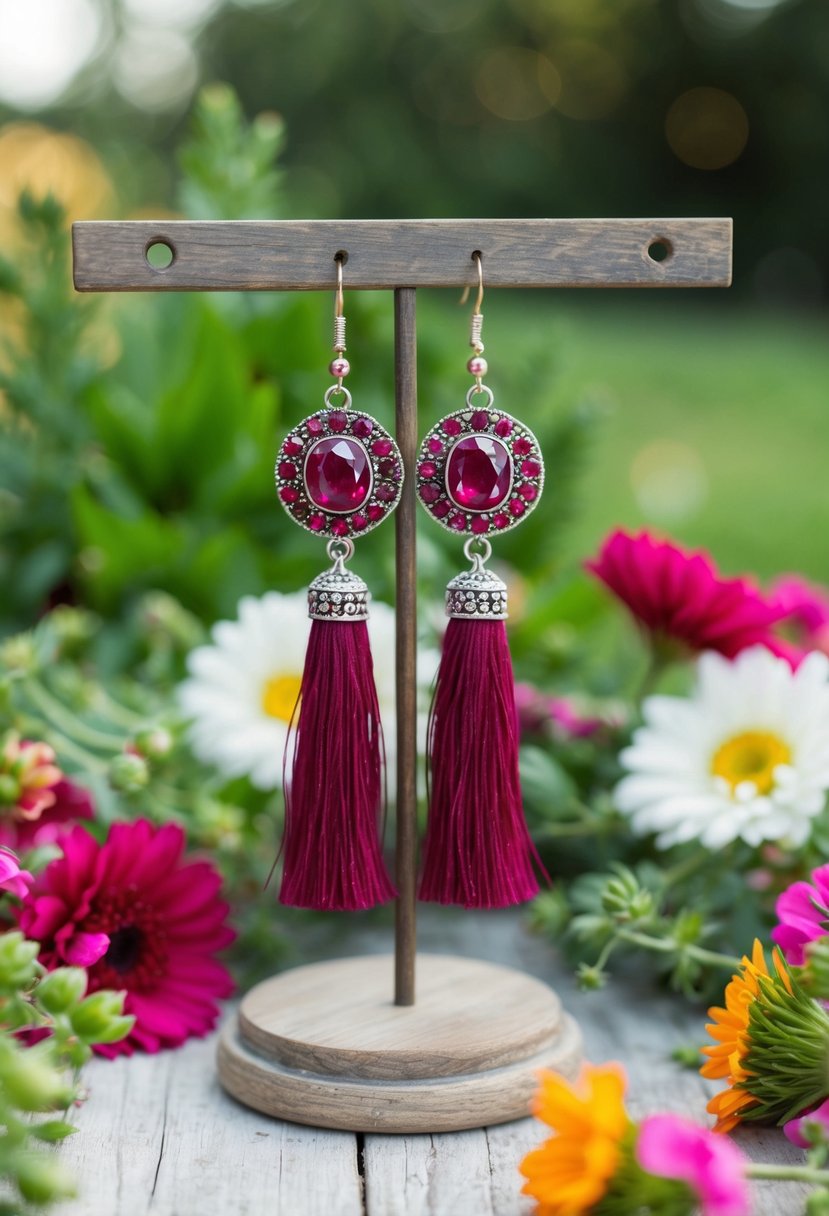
{"points": [[707, 128], [593, 81], [517, 84], [43, 46], [181, 13], [669, 481], [155, 69], [41, 161]]}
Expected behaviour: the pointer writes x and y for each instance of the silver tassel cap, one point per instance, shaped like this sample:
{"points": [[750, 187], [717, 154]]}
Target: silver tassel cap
{"points": [[477, 594], [338, 594]]}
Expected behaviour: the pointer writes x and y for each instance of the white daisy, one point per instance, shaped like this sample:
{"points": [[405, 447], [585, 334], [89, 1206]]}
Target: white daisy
{"points": [[746, 755], [242, 689]]}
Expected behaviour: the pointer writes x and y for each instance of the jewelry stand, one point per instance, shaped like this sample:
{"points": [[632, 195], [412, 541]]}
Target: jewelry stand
{"points": [[326, 1044]]}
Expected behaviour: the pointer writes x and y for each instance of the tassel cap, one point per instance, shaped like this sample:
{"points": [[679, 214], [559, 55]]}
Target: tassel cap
{"points": [[477, 594], [337, 594]]}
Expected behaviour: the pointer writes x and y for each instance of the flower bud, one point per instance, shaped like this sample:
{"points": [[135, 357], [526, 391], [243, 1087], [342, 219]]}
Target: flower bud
{"points": [[817, 1204], [590, 979], [42, 1178], [624, 899], [30, 1081], [18, 961], [18, 655], [9, 790], [815, 973], [61, 989], [155, 743], [128, 773], [118, 1029], [95, 1016], [73, 626]]}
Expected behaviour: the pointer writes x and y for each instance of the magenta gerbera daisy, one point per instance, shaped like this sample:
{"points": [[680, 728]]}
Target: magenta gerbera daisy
{"points": [[680, 596], [140, 918], [803, 912]]}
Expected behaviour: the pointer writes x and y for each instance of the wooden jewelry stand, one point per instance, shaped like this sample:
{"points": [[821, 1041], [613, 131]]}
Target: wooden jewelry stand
{"points": [[326, 1044]]}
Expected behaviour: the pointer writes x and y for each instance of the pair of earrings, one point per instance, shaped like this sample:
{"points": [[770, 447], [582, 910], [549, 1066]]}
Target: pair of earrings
{"points": [[339, 474]]}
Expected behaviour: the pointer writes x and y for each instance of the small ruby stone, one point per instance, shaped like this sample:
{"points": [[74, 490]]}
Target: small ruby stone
{"points": [[362, 428], [338, 474], [478, 473]]}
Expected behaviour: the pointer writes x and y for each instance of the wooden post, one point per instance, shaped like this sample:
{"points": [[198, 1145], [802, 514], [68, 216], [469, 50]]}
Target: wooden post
{"points": [[405, 372]]}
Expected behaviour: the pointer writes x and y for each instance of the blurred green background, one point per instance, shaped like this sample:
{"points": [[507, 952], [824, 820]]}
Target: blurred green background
{"points": [[138, 433]]}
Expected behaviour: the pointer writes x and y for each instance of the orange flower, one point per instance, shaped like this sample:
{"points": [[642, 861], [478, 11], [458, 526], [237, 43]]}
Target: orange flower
{"points": [[571, 1172], [731, 1031]]}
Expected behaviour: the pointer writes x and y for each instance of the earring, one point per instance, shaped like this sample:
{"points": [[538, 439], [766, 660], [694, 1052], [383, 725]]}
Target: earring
{"points": [[338, 475], [479, 473]]}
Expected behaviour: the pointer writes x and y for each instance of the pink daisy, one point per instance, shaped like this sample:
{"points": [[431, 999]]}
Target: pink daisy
{"points": [[12, 878], [714, 1168], [804, 617], [816, 1121], [28, 776], [680, 596], [140, 919], [803, 912], [71, 803], [539, 713]]}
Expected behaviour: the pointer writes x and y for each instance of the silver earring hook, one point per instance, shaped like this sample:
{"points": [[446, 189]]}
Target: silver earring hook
{"points": [[476, 258]]}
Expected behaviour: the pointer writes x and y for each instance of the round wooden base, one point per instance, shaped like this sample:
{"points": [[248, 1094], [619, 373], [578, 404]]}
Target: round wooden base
{"points": [[325, 1045]]}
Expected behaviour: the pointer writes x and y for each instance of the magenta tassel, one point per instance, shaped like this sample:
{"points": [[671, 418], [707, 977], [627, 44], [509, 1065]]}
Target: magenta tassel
{"points": [[478, 851], [334, 793]]}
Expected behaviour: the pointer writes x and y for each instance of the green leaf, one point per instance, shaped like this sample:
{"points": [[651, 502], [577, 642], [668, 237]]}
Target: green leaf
{"points": [[53, 1131]]}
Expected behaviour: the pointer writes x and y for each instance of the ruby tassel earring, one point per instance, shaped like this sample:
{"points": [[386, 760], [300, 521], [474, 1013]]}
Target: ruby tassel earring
{"points": [[338, 475], [479, 473]]}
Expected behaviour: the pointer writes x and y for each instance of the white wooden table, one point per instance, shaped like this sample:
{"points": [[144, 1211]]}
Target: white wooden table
{"points": [[158, 1136]]}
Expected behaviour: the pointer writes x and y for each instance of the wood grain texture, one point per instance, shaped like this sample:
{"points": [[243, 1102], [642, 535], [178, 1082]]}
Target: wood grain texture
{"points": [[405, 393], [324, 1044], [336, 1019], [445, 1104], [298, 255], [159, 1138]]}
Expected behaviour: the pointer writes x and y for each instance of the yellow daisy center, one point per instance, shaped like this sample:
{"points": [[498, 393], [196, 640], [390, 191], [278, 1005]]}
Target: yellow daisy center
{"points": [[279, 695], [752, 756]]}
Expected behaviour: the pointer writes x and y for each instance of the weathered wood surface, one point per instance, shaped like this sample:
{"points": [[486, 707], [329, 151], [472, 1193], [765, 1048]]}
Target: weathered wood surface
{"points": [[159, 1138], [298, 255]]}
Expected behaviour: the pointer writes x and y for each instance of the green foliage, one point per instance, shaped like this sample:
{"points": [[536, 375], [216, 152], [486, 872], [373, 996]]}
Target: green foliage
{"points": [[122, 736], [41, 1081], [228, 164], [164, 455]]}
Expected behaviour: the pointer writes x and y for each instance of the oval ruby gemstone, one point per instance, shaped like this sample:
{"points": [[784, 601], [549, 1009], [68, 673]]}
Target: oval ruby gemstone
{"points": [[338, 474], [479, 473]]}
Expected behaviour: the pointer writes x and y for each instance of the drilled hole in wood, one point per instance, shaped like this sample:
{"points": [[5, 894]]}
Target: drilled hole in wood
{"points": [[660, 249], [341, 256], [160, 254]]}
